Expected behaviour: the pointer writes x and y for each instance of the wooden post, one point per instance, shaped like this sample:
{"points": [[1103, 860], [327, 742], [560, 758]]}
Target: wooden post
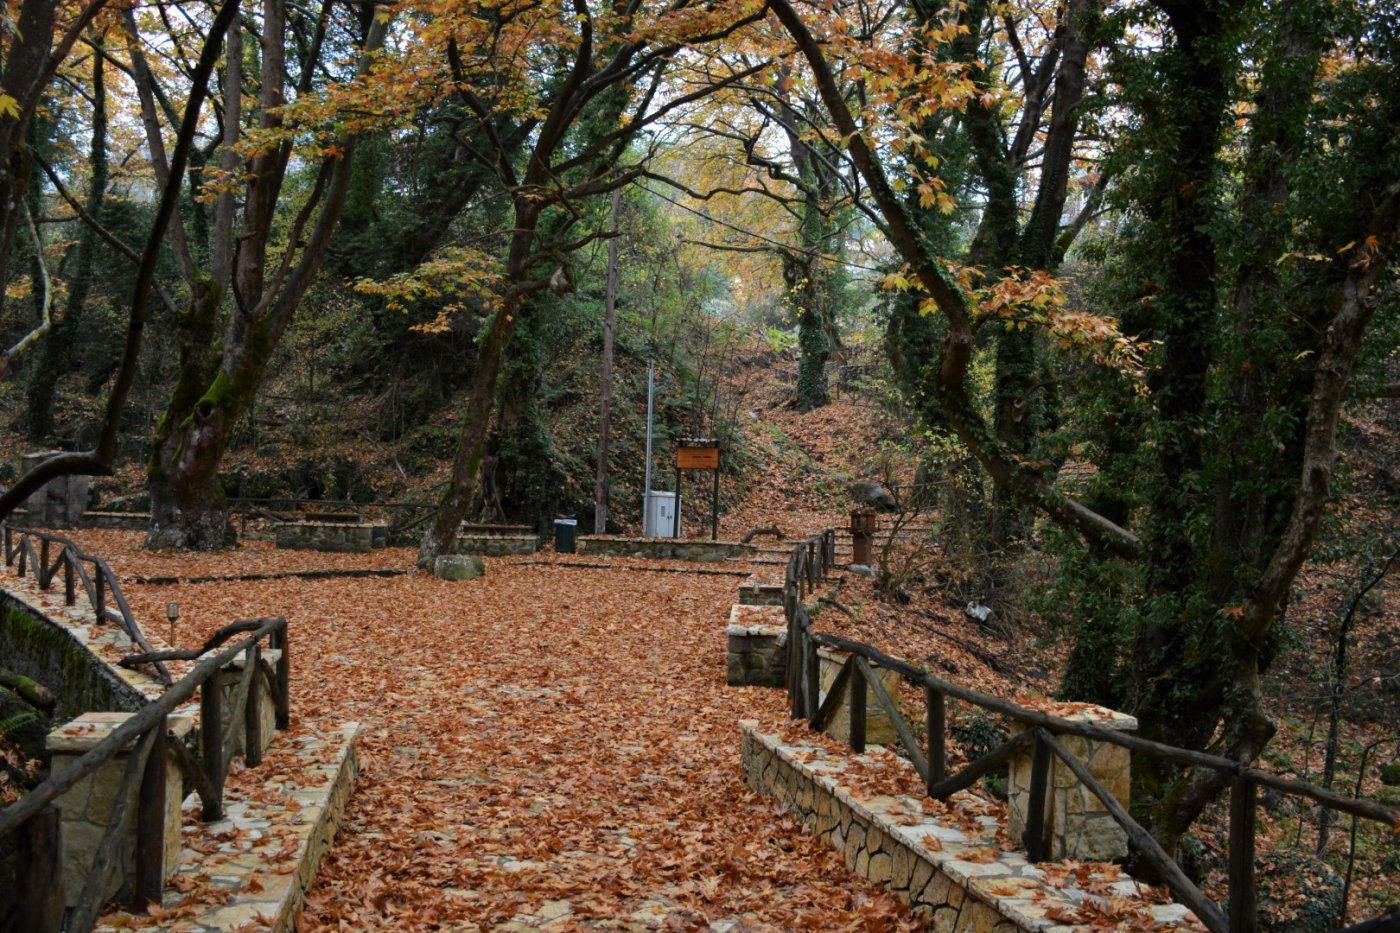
{"points": [[937, 712], [714, 509], [43, 573], [211, 742], [252, 709], [69, 594], [856, 693], [39, 873], [1243, 912], [797, 653], [813, 678], [150, 823], [101, 606], [1034, 837], [284, 681]]}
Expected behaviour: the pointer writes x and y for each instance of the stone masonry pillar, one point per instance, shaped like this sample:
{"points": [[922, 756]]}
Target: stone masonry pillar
{"points": [[1077, 824], [60, 502], [86, 809]]}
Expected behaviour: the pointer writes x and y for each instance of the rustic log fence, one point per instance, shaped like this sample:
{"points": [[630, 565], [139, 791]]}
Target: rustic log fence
{"points": [[812, 559], [55, 553], [34, 818]]}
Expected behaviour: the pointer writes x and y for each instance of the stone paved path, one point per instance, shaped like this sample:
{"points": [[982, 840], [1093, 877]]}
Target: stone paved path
{"points": [[543, 747]]}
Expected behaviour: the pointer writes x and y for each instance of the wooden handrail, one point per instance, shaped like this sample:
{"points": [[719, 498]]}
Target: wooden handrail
{"points": [[72, 558], [34, 801], [811, 560]]}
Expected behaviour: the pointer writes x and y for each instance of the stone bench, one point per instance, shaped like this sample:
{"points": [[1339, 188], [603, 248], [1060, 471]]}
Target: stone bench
{"points": [[335, 537], [757, 637], [495, 545], [700, 551]]}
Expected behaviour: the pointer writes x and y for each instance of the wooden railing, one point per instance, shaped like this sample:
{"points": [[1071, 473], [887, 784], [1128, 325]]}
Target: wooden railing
{"points": [[35, 819], [55, 553], [1043, 732]]}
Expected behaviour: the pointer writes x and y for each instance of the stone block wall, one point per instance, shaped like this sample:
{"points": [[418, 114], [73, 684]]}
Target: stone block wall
{"points": [[699, 551], [495, 545], [761, 594], [757, 646], [86, 809], [878, 728], [60, 502], [125, 521], [336, 537], [869, 845], [59, 657], [1077, 824], [948, 867]]}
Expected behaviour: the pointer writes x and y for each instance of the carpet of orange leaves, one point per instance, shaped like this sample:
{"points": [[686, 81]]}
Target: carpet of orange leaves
{"points": [[544, 741]]}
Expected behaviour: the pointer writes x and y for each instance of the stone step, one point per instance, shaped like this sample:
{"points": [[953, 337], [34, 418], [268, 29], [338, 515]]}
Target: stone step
{"points": [[250, 857]]}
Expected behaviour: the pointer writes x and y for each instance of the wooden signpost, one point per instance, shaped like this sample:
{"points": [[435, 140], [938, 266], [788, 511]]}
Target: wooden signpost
{"points": [[697, 453]]}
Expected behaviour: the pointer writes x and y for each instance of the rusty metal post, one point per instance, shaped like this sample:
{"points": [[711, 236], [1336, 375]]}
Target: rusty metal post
{"points": [[862, 535]]}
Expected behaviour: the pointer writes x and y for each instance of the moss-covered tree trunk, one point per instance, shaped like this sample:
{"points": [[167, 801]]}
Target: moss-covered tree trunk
{"points": [[217, 382]]}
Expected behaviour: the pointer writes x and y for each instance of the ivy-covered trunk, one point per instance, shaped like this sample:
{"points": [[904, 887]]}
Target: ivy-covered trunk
{"points": [[805, 277]]}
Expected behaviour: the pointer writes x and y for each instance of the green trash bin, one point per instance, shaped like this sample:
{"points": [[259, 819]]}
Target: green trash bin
{"points": [[565, 535]]}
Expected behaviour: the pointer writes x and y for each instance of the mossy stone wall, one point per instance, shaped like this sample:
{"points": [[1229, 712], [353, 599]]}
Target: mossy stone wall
{"points": [[35, 647]]}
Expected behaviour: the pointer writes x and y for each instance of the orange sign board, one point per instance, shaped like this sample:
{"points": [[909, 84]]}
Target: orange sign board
{"points": [[697, 458]]}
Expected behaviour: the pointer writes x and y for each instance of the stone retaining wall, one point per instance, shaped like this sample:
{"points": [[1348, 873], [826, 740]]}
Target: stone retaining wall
{"points": [[121, 521], [948, 868], [663, 548], [761, 594], [58, 657]]}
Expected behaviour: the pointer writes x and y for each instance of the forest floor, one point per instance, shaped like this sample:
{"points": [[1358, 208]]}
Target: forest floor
{"points": [[554, 744], [548, 743]]}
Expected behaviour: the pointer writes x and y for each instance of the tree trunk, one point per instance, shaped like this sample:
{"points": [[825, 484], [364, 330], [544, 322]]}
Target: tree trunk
{"points": [[57, 358], [217, 385], [466, 464]]}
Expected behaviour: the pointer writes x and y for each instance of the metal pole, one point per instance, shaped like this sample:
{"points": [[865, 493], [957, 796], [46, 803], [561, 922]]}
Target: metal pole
{"points": [[676, 522], [646, 484], [600, 490]]}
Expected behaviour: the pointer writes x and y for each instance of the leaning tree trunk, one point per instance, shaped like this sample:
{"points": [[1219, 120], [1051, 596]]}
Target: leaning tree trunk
{"points": [[471, 447]]}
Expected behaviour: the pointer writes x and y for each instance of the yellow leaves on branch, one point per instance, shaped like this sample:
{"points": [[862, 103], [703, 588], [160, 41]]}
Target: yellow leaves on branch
{"points": [[455, 275]]}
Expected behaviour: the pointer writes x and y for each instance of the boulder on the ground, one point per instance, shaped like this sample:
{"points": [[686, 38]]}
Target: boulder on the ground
{"points": [[867, 492], [458, 567]]}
